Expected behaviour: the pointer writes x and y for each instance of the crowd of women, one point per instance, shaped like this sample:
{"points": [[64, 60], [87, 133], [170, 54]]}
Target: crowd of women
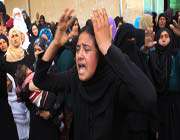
{"points": [[106, 80]]}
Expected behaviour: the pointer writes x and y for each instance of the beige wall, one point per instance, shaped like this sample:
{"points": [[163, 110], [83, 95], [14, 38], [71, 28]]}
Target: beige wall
{"points": [[52, 9], [10, 4], [132, 9]]}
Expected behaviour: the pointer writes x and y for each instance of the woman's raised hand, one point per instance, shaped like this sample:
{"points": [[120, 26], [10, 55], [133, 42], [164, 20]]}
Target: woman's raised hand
{"points": [[149, 39], [176, 27], [61, 36], [102, 30]]}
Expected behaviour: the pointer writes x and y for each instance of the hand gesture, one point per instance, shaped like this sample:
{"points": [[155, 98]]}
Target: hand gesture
{"points": [[61, 36], [176, 27], [102, 30], [149, 39]]}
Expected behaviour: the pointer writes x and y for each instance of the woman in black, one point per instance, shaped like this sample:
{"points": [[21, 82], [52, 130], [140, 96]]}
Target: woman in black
{"points": [[164, 64], [162, 22], [125, 39], [96, 86], [16, 54]]}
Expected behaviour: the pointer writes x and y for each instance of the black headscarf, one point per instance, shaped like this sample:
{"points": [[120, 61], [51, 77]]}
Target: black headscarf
{"points": [[102, 69], [5, 17], [123, 40], [162, 15], [95, 94], [160, 61], [6, 39]]}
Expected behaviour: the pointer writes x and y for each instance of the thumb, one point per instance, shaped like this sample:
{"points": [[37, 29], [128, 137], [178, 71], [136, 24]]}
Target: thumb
{"points": [[171, 26]]}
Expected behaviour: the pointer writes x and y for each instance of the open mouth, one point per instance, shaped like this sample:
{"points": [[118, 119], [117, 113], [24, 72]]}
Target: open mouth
{"points": [[81, 68]]}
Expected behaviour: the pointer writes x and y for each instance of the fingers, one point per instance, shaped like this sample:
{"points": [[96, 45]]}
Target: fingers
{"points": [[175, 23], [99, 19], [105, 16], [66, 15]]}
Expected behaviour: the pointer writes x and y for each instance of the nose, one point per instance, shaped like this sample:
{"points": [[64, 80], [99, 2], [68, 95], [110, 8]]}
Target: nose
{"points": [[80, 53]]}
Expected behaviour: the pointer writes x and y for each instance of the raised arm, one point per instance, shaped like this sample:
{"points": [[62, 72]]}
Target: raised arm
{"points": [[176, 27], [60, 37], [137, 82], [42, 79]]}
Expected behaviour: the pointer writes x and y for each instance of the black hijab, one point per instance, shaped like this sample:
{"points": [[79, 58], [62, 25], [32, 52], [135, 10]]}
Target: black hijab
{"points": [[95, 95], [125, 39], [160, 61], [32, 36], [102, 70], [6, 39], [162, 15]]}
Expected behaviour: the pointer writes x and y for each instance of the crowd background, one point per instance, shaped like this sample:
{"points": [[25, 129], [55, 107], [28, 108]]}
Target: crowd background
{"points": [[152, 44]]}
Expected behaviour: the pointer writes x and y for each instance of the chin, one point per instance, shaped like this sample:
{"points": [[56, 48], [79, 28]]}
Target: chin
{"points": [[82, 78]]}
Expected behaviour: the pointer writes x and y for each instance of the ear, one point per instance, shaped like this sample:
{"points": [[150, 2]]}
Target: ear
{"points": [[22, 37]]}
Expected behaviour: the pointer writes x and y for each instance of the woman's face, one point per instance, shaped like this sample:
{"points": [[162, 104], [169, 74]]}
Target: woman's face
{"points": [[16, 39], [3, 45], [164, 39], [35, 30], [162, 22], [41, 21], [86, 56]]}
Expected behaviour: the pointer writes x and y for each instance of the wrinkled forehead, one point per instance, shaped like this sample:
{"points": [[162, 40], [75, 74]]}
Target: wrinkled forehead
{"points": [[87, 38]]}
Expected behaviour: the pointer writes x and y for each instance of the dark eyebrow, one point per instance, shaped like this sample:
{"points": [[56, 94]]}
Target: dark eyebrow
{"points": [[84, 44]]}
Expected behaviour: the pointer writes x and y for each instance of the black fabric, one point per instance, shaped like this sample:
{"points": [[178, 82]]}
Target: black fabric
{"points": [[31, 35], [8, 127], [28, 60], [140, 35], [160, 62], [5, 38], [93, 102], [93, 114], [41, 129], [167, 24], [168, 102], [5, 17], [169, 111], [122, 40], [125, 33]]}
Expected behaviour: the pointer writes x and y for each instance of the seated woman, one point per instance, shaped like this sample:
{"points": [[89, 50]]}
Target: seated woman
{"points": [[96, 86]]}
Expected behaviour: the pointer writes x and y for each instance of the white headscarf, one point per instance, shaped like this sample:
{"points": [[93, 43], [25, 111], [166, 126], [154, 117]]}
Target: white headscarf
{"points": [[20, 24]]}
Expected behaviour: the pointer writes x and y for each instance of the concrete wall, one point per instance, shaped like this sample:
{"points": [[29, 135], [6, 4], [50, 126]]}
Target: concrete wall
{"points": [[132, 9], [10, 4], [52, 9]]}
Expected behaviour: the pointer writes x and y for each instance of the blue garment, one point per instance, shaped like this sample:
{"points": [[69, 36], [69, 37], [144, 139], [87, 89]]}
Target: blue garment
{"points": [[48, 33], [174, 79], [137, 22]]}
